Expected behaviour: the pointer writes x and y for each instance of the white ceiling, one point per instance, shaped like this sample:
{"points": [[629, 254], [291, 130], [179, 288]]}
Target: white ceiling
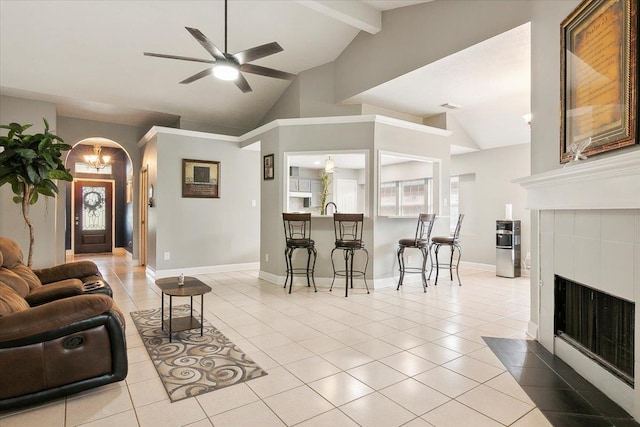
{"points": [[86, 57]]}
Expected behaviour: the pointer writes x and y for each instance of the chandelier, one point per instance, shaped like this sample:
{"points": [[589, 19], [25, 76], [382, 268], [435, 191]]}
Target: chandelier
{"points": [[96, 160]]}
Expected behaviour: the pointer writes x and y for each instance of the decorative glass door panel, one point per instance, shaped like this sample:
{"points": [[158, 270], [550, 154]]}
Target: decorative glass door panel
{"points": [[93, 216], [93, 208]]}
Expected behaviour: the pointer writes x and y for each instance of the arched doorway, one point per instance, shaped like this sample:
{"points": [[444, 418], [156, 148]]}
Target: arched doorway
{"points": [[100, 199]]}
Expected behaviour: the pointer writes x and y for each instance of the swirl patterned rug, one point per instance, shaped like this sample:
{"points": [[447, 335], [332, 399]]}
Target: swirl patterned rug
{"points": [[193, 364]]}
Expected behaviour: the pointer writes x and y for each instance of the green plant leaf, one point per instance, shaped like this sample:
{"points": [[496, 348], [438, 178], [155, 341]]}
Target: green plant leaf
{"points": [[34, 198], [46, 190], [17, 199], [32, 174], [60, 174], [27, 153]]}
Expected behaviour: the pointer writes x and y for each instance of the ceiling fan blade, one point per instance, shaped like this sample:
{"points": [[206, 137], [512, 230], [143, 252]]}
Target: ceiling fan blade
{"points": [[182, 58], [264, 71], [204, 73], [257, 52], [206, 43], [243, 84]]}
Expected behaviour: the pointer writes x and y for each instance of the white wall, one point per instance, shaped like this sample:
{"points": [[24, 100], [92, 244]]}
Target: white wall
{"points": [[48, 214], [483, 198]]}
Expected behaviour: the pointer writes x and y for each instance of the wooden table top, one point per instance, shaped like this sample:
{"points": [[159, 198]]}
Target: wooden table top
{"points": [[191, 287]]}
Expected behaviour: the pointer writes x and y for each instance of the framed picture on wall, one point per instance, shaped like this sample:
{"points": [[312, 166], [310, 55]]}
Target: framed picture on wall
{"points": [[599, 78], [200, 178], [268, 167]]}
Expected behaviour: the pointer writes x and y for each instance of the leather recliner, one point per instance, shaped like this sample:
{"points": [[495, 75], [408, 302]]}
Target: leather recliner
{"points": [[48, 284], [63, 342]]}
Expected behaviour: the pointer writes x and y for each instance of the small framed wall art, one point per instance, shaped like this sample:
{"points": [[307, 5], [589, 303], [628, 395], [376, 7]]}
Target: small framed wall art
{"points": [[268, 167], [200, 178]]}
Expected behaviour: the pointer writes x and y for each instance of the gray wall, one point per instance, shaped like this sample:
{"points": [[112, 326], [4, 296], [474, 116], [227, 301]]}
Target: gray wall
{"points": [[311, 94], [74, 130], [389, 230], [412, 37], [202, 232], [48, 214], [483, 198], [329, 137]]}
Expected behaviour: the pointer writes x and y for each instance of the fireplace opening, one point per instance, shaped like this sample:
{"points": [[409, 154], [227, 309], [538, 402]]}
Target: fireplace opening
{"points": [[599, 325]]}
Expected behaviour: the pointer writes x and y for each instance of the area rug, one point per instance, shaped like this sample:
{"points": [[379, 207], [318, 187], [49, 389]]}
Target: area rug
{"points": [[192, 364]]}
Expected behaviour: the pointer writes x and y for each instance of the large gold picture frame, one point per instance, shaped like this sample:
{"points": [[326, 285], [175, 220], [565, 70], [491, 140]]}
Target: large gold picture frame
{"points": [[599, 77], [200, 178]]}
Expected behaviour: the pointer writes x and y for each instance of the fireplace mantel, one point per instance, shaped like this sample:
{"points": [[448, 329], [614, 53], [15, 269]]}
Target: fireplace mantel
{"points": [[609, 183]]}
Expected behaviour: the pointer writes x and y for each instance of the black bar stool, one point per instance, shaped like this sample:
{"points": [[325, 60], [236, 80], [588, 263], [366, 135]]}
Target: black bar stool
{"points": [[420, 241], [297, 232], [453, 242], [348, 232]]}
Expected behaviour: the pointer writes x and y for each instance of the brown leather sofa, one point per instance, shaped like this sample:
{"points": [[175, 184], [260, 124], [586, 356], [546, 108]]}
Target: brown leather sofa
{"points": [[55, 338], [48, 284]]}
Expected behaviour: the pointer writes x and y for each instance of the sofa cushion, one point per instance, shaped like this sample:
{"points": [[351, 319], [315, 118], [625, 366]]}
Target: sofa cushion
{"points": [[28, 275], [17, 283], [10, 301], [11, 252], [53, 291]]}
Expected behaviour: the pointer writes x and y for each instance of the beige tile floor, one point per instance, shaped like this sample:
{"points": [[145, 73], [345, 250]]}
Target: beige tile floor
{"points": [[390, 358]]}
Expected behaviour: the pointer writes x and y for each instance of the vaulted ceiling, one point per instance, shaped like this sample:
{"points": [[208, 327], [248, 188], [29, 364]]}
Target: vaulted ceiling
{"points": [[86, 57]]}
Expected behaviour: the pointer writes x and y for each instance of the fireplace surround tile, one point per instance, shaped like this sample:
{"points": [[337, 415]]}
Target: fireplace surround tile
{"points": [[588, 225], [618, 225], [564, 222], [588, 260], [563, 250], [617, 271]]}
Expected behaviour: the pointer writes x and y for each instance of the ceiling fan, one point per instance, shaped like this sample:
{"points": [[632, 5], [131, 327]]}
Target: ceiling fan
{"points": [[228, 66]]}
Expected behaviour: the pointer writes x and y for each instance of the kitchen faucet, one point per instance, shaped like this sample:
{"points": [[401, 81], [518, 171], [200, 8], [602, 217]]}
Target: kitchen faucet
{"points": [[335, 208]]}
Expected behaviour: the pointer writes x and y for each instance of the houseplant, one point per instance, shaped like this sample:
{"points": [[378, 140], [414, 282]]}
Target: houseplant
{"points": [[30, 163], [325, 179]]}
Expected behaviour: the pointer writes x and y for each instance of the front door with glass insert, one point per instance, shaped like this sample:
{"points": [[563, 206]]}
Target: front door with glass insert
{"points": [[92, 217]]}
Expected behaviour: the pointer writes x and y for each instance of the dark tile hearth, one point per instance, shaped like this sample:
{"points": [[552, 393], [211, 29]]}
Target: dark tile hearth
{"points": [[561, 394]]}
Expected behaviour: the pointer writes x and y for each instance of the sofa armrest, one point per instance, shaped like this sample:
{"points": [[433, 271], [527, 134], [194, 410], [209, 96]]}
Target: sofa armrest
{"points": [[54, 291], [51, 316], [72, 270]]}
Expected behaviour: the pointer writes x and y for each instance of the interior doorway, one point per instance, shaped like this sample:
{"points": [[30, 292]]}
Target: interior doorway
{"points": [[120, 221], [93, 216]]}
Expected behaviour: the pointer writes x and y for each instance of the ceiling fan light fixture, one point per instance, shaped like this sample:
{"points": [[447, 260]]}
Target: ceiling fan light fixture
{"points": [[226, 72]]}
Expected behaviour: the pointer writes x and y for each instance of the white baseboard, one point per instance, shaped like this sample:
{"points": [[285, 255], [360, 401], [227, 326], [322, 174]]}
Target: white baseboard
{"points": [[478, 266], [532, 330], [150, 272], [191, 271]]}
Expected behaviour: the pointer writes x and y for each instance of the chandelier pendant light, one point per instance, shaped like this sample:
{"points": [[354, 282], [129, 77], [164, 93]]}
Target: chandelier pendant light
{"points": [[97, 160], [329, 165]]}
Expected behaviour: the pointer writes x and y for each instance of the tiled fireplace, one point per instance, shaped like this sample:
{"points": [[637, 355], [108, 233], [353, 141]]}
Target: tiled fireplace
{"points": [[589, 233]]}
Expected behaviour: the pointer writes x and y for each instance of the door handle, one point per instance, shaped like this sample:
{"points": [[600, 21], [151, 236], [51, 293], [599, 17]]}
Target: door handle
{"points": [[77, 220]]}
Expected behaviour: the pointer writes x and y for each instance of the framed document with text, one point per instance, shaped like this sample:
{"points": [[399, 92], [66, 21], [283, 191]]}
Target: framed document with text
{"points": [[200, 178], [599, 77]]}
